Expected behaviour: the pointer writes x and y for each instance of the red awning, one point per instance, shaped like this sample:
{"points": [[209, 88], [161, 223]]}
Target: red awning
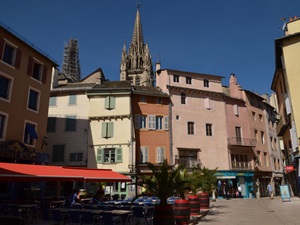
{"points": [[28, 172]]}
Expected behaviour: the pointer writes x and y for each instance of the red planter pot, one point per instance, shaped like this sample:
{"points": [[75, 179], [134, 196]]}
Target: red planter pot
{"points": [[194, 205], [163, 215], [181, 211], [204, 202]]}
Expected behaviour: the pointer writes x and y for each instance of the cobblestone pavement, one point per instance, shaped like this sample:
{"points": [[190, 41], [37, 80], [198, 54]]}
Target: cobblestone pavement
{"points": [[263, 211]]}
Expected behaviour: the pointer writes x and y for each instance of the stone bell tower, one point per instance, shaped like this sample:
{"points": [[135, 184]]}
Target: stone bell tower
{"points": [[136, 64]]}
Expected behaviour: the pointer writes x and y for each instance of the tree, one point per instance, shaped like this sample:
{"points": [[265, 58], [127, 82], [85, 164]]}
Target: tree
{"points": [[164, 182]]}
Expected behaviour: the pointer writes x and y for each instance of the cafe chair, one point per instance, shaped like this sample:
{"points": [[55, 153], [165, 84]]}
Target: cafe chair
{"points": [[89, 218], [107, 218], [139, 214], [57, 217], [75, 217]]}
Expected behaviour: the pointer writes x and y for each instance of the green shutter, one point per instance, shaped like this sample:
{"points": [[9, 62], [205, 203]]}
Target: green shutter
{"points": [[107, 102], [119, 156], [100, 155], [104, 134], [110, 129], [112, 102]]}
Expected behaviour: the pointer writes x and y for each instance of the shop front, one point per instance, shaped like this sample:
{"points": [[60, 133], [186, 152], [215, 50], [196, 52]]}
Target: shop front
{"points": [[231, 180]]}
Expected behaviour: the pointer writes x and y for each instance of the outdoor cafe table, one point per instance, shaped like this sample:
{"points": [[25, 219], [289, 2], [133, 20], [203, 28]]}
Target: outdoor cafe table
{"points": [[123, 214]]}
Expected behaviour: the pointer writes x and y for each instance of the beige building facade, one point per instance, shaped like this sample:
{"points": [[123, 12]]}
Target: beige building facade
{"points": [[286, 85]]}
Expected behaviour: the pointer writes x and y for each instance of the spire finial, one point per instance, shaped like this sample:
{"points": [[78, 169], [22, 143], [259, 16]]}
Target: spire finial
{"points": [[138, 4]]}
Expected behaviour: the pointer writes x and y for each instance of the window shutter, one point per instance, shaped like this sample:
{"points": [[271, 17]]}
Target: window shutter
{"points": [[100, 153], [1, 48], [145, 154], [162, 156], [151, 122], [107, 102], [18, 58], [119, 156], [44, 75], [137, 121], [158, 154], [110, 129], [236, 110], [112, 102], [104, 134], [30, 66], [207, 103], [166, 120]]}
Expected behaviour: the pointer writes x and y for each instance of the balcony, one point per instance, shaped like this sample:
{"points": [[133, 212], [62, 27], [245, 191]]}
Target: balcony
{"points": [[239, 165], [188, 163], [241, 141]]}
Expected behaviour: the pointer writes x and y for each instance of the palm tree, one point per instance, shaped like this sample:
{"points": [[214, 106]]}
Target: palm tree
{"points": [[164, 181]]}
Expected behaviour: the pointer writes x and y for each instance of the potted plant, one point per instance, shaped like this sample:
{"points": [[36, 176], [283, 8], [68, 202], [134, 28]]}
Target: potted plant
{"points": [[207, 182], [163, 182]]}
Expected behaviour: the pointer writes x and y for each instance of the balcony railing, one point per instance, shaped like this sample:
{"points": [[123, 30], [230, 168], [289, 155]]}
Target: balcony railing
{"points": [[241, 141], [188, 163], [238, 165]]}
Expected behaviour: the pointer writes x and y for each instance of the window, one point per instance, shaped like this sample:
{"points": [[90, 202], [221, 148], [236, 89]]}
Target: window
{"points": [[110, 102], [190, 128], [138, 81], [208, 129], [253, 116], [33, 101], [140, 121], [11, 54], [58, 153], [109, 155], [262, 136], [256, 135], [51, 124], [72, 99], [159, 100], [160, 154], [207, 103], [176, 78], [144, 154], [266, 159], [159, 122], [30, 134], [259, 157], [37, 70], [107, 129], [143, 99], [3, 119], [188, 80], [238, 135], [5, 87], [151, 122], [183, 97], [260, 118], [206, 83], [52, 101], [236, 110], [70, 123], [76, 157]]}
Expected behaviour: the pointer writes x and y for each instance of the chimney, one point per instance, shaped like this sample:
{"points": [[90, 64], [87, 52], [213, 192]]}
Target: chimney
{"points": [[234, 87]]}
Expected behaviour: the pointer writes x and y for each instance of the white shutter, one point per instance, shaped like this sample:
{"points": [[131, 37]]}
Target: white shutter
{"points": [[151, 122], [236, 110], [207, 103], [166, 121]]}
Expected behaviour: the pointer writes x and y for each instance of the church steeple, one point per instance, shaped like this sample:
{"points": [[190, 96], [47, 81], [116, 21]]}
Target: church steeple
{"points": [[136, 66]]}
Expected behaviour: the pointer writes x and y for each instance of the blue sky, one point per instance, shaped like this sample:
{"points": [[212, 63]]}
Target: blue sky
{"points": [[215, 36]]}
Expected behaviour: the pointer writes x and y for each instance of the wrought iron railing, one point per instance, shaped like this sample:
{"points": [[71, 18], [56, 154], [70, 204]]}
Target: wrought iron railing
{"points": [[241, 141]]}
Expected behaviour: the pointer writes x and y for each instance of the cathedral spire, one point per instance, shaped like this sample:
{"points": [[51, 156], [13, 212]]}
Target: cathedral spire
{"points": [[137, 36], [136, 66]]}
